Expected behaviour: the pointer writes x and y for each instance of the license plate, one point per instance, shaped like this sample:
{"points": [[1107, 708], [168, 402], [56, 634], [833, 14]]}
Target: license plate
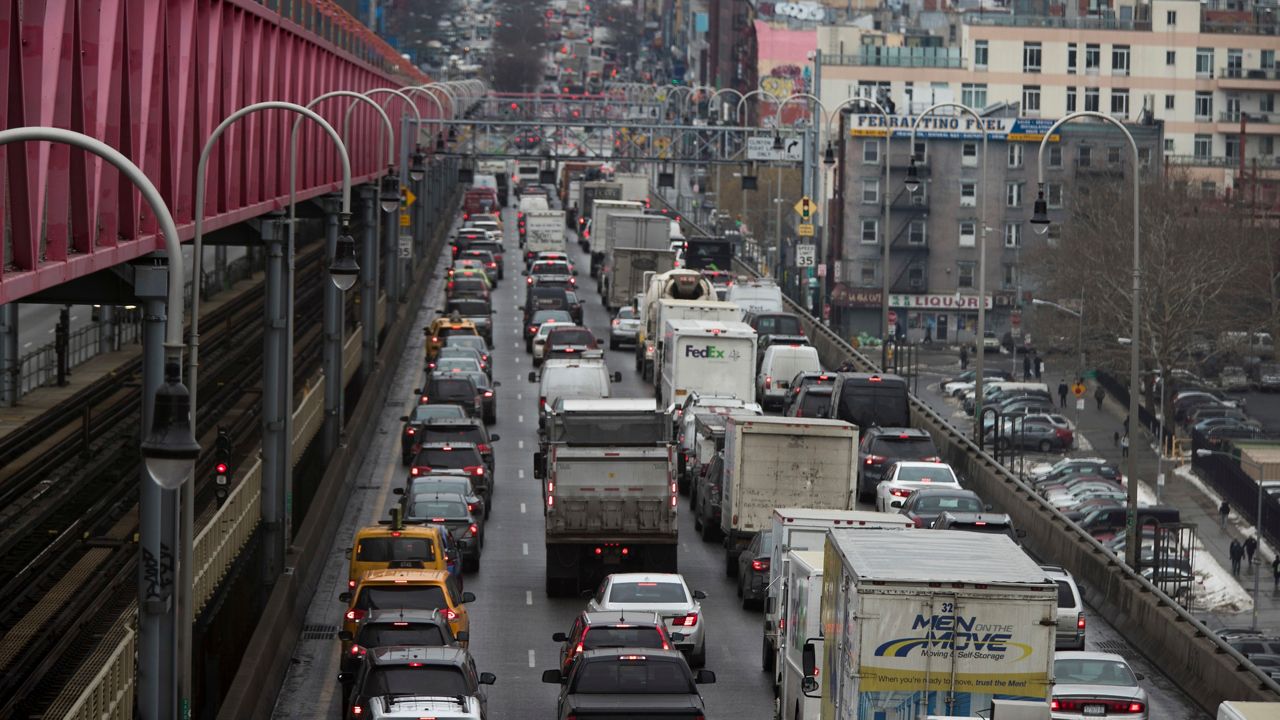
{"points": [[1095, 710]]}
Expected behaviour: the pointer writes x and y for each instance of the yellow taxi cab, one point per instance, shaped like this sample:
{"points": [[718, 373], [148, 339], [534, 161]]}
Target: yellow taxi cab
{"points": [[444, 326], [403, 547], [408, 589]]}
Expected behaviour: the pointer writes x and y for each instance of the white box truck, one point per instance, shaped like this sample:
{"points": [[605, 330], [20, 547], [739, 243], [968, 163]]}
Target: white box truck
{"points": [[803, 615], [597, 244], [793, 529], [544, 232], [942, 622], [635, 186], [772, 462], [635, 243], [706, 357]]}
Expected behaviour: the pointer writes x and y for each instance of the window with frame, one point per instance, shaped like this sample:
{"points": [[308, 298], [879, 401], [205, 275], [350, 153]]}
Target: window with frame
{"points": [[1031, 54], [1120, 103], [1144, 156], [1091, 99], [1084, 156], [871, 190], [1071, 58], [1204, 106], [1168, 102], [1071, 99], [1170, 57], [1119, 59], [1266, 145], [965, 273], [867, 274], [870, 151], [1015, 155], [915, 276], [1013, 194], [1055, 156], [1235, 62], [1171, 17], [1012, 234], [1010, 276], [974, 94], [1092, 56], [1208, 188], [1031, 98], [1168, 145], [916, 232], [921, 153], [1204, 62], [968, 233], [1231, 148], [1113, 155], [870, 231], [1267, 103], [1053, 194], [1055, 234], [969, 154], [1203, 146], [1268, 61], [968, 193], [980, 53]]}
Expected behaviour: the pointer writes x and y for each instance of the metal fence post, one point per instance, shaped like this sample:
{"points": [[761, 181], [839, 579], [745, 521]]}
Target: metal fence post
{"points": [[10, 363]]}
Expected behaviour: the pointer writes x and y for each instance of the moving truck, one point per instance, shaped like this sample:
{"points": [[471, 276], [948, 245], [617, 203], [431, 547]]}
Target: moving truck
{"points": [[803, 615], [673, 284], [940, 623], [588, 193], [635, 186], [544, 232], [801, 530], [773, 462], [706, 357], [635, 243], [598, 236]]}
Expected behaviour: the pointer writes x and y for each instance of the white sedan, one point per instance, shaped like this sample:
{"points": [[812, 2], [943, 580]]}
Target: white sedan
{"points": [[540, 342], [904, 478], [662, 593]]}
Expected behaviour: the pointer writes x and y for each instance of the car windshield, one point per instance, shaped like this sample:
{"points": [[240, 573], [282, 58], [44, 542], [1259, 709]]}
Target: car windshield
{"points": [[390, 549], [427, 413], [1093, 671], [925, 475], [456, 458], [948, 503], [647, 592], [574, 336], [451, 389], [395, 597], [468, 308], [430, 680], [633, 677], [400, 633], [616, 637], [428, 506], [542, 316]]}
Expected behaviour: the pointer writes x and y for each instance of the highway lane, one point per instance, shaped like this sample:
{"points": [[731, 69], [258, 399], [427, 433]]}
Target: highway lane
{"points": [[512, 619]]}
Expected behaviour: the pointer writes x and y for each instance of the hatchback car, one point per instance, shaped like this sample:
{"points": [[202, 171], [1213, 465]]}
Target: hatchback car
{"points": [[663, 593], [384, 628], [1071, 623], [568, 341], [1095, 684], [451, 481], [625, 327], [904, 477], [594, 630], [391, 677]]}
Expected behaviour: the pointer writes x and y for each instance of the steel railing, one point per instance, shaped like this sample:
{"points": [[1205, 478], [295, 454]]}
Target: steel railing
{"points": [[220, 541]]}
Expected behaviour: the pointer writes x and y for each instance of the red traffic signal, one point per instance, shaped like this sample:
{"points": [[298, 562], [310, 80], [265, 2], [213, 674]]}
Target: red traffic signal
{"points": [[221, 468]]}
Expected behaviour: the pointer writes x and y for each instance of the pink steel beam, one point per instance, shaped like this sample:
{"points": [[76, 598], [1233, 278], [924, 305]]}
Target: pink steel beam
{"points": [[152, 79]]}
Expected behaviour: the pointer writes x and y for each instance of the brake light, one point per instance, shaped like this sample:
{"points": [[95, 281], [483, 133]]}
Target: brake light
{"points": [[616, 322], [899, 492], [477, 470], [768, 382], [528, 281], [493, 265], [488, 393], [483, 448], [357, 710], [414, 471], [410, 431], [1080, 622], [874, 459], [473, 530], [357, 651], [687, 621], [356, 615], [423, 400], [351, 583], [760, 565]]}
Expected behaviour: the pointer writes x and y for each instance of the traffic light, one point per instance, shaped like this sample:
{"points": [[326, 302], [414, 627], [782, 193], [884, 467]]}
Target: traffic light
{"points": [[222, 466]]}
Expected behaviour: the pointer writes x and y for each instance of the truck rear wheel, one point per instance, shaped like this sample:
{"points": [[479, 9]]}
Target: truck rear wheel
{"points": [[766, 655]]}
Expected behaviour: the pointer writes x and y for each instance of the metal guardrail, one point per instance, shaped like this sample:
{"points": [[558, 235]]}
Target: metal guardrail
{"points": [[957, 447], [220, 541], [39, 368], [110, 693]]}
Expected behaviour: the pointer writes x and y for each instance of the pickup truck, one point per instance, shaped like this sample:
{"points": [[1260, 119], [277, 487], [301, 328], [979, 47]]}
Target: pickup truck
{"points": [[630, 684]]}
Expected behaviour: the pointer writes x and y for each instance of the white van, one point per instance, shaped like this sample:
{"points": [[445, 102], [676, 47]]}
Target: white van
{"points": [[533, 202], [779, 366], [758, 296], [584, 378]]}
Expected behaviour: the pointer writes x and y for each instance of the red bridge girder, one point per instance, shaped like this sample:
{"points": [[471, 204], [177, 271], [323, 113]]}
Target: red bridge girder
{"points": [[153, 78]]}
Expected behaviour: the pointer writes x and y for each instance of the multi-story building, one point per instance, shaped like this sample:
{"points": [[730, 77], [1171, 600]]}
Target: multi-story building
{"points": [[1210, 74], [964, 199]]}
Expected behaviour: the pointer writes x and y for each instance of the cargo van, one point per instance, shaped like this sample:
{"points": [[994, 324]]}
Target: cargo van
{"points": [[585, 378], [781, 363]]}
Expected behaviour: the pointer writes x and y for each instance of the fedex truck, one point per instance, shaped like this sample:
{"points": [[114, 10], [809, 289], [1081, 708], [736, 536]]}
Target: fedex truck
{"points": [[707, 357]]}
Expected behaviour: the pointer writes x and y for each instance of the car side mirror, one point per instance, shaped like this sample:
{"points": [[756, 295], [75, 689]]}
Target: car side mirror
{"points": [[537, 465], [488, 678], [809, 659], [463, 636], [617, 376], [468, 597], [404, 418], [495, 438], [344, 597], [416, 391], [533, 376], [699, 595], [497, 383], [397, 491], [346, 678], [704, 677], [345, 635], [559, 637], [552, 676]]}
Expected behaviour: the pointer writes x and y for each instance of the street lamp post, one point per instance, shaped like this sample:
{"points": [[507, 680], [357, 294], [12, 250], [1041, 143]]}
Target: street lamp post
{"points": [[1257, 519], [912, 183], [1040, 218], [884, 259], [169, 449], [1079, 315]]}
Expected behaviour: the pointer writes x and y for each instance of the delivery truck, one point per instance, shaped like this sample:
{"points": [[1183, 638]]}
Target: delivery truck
{"points": [[706, 357], [598, 234], [805, 529], [634, 243], [544, 232], [803, 617], [635, 186], [673, 284], [589, 192], [773, 462], [930, 623], [627, 270]]}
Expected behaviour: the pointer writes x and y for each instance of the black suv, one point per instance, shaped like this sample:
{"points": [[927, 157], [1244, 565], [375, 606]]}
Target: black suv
{"points": [[451, 389], [454, 430], [464, 456], [391, 674], [450, 510], [384, 628], [630, 682], [883, 446], [423, 414]]}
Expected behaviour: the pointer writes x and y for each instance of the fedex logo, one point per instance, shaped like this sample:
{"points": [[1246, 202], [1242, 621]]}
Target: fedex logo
{"points": [[710, 352]]}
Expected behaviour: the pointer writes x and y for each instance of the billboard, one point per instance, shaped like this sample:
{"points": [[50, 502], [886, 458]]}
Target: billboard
{"points": [[952, 127]]}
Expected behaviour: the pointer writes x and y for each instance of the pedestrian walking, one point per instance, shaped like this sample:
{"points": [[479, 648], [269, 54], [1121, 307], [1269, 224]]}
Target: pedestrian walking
{"points": [[1026, 367], [1275, 572], [1038, 364], [1223, 511], [1237, 552], [1126, 424], [1062, 392], [1250, 547], [1099, 395], [1124, 445], [964, 357]]}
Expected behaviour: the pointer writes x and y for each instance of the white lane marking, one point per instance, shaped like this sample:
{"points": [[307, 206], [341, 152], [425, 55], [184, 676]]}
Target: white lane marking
{"points": [[520, 444], [51, 330], [519, 418], [524, 548], [27, 345], [521, 473], [528, 597], [522, 508], [517, 359], [516, 332], [519, 396], [531, 662], [75, 317], [516, 344]]}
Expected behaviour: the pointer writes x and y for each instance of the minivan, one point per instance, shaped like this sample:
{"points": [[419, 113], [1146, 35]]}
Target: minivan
{"points": [[1070, 631], [868, 400], [781, 363], [586, 377]]}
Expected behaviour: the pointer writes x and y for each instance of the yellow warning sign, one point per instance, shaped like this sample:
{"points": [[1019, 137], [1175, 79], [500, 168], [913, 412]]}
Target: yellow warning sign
{"points": [[805, 230], [1078, 389], [404, 219], [409, 198], [805, 208]]}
